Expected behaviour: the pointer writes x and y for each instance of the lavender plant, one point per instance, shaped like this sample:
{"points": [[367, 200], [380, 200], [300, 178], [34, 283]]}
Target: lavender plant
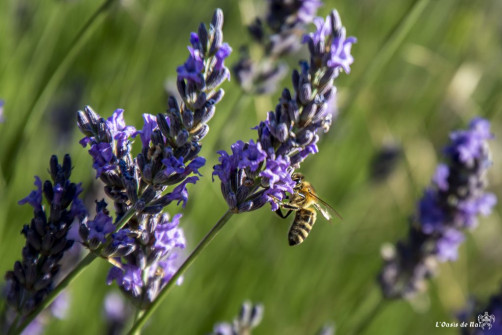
{"points": [[260, 172], [451, 205], [144, 250], [279, 33], [249, 318], [47, 241]]}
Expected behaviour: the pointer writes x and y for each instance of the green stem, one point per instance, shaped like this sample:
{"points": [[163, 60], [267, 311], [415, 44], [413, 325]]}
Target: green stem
{"points": [[374, 312], [139, 313], [190, 259], [389, 48], [14, 324], [84, 263]]}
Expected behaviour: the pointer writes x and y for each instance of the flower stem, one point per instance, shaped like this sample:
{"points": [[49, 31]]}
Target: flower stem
{"points": [[371, 316], [389, 48], [137, 315], [190, 259], [84, 263]]}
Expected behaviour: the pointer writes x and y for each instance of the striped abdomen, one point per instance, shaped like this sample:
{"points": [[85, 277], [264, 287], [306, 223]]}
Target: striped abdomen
{"points": [[302, 225]]}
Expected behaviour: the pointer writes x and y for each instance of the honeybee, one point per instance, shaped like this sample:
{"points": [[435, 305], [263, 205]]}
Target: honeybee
{"points": [[305, 202]]}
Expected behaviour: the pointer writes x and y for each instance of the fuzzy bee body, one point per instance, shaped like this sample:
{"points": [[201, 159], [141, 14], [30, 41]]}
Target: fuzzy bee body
{"points": [[302, 225], [305, 202]]}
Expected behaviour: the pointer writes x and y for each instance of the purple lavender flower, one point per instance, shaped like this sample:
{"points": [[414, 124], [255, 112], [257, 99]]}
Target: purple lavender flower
{"points": [[47, 240], [257, 173], [289, 13], [116, 313], [145, 250], [171, 141], [449, 206], [252, 156], [109, 139], [153, 261], [286, 21], [329, 45], [94, 232], [249, 318], [2, 103]]}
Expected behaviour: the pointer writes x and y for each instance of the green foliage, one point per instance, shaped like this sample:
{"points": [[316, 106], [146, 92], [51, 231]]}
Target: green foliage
{"points": [[443, 69]]}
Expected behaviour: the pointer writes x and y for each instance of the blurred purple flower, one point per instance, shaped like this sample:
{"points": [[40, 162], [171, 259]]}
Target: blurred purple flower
{"points": [[278, 33], [2, 103], [452, 203], [249, 317]]}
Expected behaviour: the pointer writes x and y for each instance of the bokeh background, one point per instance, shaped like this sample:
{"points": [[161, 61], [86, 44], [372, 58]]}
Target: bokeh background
{"points": [[422, 68]]}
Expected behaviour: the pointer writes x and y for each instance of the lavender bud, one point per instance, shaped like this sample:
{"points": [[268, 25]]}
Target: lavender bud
{"points": [[217, 21], [163, 125], [208, 113], [215, 97], [307, 114], [203, 37], [84, 125], [200, 133], [181, 138], [249, 317], [200, 101], [188, 119], [216, 42], [216, 78], [19, 273]]}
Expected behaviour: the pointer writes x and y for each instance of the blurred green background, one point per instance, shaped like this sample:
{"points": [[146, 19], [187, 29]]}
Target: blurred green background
{"points": [[422, 68]]}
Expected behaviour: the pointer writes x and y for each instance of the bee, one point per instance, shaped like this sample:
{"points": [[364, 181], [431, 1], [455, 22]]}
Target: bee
{"points": [[305, 202]]}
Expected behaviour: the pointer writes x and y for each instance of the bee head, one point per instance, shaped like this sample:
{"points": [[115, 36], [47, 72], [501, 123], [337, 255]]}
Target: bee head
{"points": [[297, 177]]}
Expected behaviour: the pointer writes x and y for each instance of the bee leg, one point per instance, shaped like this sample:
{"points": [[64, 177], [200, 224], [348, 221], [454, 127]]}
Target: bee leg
{"points": [[285, 206], [281, 214], [289, 207]]}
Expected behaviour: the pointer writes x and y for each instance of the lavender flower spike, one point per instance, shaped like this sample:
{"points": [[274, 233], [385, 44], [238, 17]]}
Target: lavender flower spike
{"points": [[145, 251], [257, 173], [449, 206], [155, 258], [249, 318], [278, 33], [47, 240]]}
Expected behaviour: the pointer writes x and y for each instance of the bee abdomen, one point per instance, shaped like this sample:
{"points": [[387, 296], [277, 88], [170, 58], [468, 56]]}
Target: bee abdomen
{"points": [[301, 227]]}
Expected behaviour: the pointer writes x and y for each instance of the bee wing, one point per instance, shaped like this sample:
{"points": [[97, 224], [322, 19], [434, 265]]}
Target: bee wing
{"points": [[323, 211]]}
